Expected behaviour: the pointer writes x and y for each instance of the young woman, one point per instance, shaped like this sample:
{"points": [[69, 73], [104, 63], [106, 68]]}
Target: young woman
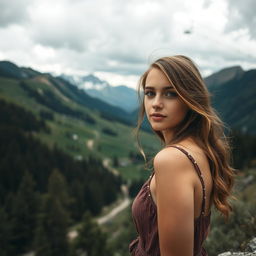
{"points": [[191, 173]]}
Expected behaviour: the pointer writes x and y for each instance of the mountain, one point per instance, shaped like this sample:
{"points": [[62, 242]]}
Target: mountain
{"points": [[86, 82], [234, 97], [120, 96], [224, 76], [66, 90], [106, 110], [11, 70], [233, 91]]}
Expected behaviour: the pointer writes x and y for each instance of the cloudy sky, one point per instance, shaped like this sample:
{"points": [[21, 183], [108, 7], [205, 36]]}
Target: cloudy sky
{"points": [[117, 39]]}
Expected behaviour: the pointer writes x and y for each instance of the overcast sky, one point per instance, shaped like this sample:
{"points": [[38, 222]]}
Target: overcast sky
{"points": [[117, 39]]}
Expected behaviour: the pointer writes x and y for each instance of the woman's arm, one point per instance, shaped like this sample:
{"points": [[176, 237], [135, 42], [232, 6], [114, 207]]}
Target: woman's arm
{"points": [[175, 202]]}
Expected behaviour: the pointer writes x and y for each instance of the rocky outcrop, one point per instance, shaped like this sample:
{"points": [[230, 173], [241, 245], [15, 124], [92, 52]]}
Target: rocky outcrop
{"points": [[250, 250]]}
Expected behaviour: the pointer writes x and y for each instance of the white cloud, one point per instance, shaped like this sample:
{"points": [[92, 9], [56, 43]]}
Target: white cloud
{"points": [[242, 16], [120, 38], [115, 79], [12, 12]]}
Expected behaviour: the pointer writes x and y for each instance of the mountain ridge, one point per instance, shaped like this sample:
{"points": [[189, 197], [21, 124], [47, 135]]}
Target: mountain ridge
{"points": [[120, 96], [232, 90], [224, 75], [68, 90]]}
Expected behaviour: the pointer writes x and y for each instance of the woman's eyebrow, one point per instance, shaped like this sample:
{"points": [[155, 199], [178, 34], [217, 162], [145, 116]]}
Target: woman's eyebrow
{"points": [[153, 88]]}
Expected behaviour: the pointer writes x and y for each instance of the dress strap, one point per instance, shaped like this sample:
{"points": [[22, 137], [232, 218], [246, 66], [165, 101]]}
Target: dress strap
{"points": [[198, 172]]}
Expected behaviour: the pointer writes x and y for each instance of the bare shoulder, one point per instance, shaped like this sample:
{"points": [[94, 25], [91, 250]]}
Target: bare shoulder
{"points": [[175, 200], [171, 158]]}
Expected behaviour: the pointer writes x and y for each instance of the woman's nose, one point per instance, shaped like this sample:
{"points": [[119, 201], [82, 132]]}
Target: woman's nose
{"points": [[157, 103]]}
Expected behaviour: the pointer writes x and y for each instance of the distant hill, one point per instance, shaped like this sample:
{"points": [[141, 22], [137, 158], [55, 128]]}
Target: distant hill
{"points": [[224, 76], [106, 110], [234, 97], [9, 69], [120, 96]]}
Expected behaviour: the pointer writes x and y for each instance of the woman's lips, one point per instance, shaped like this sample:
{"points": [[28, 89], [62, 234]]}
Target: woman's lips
{"points": [[157, 117]]}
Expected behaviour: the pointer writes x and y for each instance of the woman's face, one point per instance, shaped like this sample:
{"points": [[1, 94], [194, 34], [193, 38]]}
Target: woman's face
{"points": [[164, 108]]}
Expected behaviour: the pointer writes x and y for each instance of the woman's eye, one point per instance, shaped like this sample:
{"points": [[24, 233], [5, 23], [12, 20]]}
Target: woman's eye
{"points": [[149, 93], [170, 94]]}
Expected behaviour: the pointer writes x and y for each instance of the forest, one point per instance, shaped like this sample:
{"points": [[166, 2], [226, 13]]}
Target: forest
{"points": [[44, 191]]}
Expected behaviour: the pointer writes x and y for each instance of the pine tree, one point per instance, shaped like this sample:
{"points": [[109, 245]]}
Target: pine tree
{"points": [[51, 235], [80, 204], [51, 238], [115, 161], [5, 232], [90, 239], [24, 211], [57, 187]]}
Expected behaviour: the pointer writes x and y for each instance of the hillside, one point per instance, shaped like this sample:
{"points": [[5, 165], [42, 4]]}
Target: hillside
{"points": [[79, 124], [234, 97], [223, 76]]}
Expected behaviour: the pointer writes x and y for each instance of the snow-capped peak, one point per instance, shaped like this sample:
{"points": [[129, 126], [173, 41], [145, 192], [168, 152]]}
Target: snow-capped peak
{"points": [[86, 82]]}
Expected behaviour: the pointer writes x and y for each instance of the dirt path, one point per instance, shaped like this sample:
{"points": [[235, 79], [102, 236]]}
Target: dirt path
{"points": [[106, 164], [111, 215], [125, 203], [120, 207]]}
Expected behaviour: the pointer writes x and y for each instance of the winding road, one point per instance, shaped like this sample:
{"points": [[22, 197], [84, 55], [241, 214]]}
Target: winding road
{"points": [[120, 207], [108, 217]]}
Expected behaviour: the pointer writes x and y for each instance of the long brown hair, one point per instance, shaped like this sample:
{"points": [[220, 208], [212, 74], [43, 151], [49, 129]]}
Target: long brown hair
{"points": [[201, 122]]}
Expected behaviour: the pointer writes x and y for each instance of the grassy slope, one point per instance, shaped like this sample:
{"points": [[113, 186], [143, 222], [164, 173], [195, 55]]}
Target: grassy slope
{"points": [[64, 127]]}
